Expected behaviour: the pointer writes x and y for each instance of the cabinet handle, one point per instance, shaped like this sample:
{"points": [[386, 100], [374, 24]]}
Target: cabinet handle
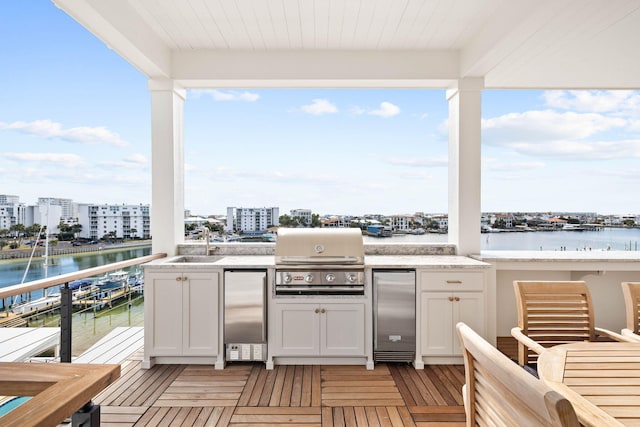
{"points": [[322, 310], [454, 282], [178, 279], [457, 298], [451, 299], [317, 310]]}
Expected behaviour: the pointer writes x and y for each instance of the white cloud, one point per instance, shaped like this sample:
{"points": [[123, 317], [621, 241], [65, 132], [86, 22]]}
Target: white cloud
{"points": [[62, 159], [503, 165], [386, 110], [135, 161], [228, 95], [420, 162], [598, 101], [546, 125], [83, 134], [319, 107]]}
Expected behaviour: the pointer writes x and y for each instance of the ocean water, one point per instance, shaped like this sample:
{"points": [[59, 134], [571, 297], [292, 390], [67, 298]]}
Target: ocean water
{"points": [[613, 239], [12, 271]]}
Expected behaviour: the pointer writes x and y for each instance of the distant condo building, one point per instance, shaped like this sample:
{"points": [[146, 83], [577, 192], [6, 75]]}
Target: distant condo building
{"points": [[119, 221], [305, 214], [11, 211], [69, 209], [251, 220]]}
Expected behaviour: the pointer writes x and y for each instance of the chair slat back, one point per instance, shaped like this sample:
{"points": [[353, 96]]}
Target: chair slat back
{"points": [[498, 392], [631, 292], [553, 313]]}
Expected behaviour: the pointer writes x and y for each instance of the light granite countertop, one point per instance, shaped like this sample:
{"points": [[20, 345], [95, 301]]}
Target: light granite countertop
{"points": [[267, 261]]}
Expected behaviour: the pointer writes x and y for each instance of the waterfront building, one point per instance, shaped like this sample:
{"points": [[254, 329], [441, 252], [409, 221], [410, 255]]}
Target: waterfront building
{"points": [[12, 212], [305, 214], [68, 211], [251, 220], [442, 220], [335, 222], [118, 221], [400, 222], [47, 215]]}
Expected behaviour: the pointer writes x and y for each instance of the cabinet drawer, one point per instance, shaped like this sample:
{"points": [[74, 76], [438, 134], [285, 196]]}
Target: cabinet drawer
{"points": [[451, 281]]}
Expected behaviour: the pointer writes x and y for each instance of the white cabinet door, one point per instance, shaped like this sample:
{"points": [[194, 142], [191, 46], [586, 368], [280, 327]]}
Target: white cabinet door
{"points": [[468, 308], [436, 332], [296, 331], [200, 314], [440, 312], [181, 314], [342, 330], [163, 314]]}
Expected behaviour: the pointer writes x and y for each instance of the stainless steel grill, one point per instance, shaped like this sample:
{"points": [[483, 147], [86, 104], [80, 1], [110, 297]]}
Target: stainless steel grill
{"points": [[319, 261]]}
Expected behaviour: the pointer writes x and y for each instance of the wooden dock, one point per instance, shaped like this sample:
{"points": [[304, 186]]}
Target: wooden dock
{"points": [[20, 344], [115, 347]]}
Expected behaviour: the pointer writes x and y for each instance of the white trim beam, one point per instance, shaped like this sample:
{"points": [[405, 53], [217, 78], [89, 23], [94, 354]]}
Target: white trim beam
{"points": [[122, 30], [304, 68]]}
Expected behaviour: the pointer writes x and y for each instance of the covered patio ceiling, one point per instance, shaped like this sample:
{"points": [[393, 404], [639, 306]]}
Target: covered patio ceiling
{"points": [[511, 44]]}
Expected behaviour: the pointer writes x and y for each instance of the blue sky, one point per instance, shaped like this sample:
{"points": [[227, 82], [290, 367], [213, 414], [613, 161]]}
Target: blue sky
{"points": [[75, 123]]}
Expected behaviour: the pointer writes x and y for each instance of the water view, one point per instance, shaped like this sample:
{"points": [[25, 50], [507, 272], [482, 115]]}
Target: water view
{"points": [[11, 272], [613, 239]]}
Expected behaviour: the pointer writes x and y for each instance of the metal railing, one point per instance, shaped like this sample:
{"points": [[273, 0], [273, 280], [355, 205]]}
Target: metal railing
{"points": [[66, 303]]}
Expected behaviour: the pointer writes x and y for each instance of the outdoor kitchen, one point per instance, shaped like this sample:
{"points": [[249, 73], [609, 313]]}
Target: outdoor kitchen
{"points": [[316, 296]]}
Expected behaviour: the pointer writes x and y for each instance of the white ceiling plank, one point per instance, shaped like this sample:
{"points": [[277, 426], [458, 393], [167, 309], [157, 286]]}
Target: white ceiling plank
{"points": [[321, 12], [336, 24], [294, 24], [509, 43], [306, 10], [211, 36]]}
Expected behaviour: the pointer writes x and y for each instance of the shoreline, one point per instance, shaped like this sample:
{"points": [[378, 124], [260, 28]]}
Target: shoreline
{"points": [[22, 254]]}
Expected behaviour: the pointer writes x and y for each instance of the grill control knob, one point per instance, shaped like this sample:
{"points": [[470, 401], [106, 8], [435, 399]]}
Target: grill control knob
{"points": [[351, 277], [286, 278], [331, 277], [308, 278]]}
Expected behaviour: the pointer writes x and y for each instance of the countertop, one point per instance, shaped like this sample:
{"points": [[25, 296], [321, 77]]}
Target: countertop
{"points": [[558, 256], [371, 261]]}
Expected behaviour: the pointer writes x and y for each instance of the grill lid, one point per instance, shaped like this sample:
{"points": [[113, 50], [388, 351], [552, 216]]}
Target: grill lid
{"points": [[319, 246]]}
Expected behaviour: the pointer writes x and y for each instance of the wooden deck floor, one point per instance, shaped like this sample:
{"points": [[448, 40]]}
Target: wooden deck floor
{"points": [[248, 394]]}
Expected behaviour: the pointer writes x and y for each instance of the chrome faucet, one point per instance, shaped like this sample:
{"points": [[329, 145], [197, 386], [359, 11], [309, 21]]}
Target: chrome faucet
{"points": [[205, 234]]}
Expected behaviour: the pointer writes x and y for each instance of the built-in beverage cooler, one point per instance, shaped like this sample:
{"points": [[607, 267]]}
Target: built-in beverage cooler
{"points": [[245, 315], [394, 315]]}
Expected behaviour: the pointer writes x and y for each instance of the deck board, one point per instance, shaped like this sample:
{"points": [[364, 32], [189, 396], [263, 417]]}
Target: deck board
{"points": [[246, 394]]}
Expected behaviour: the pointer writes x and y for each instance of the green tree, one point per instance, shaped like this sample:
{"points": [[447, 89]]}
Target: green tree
{"points": [[17, 230], [315, 220], [3, 243]]}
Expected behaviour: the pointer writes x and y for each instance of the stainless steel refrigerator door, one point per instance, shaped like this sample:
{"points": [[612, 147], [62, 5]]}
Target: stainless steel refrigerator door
{"points": [[394, 302], [245, 306]]}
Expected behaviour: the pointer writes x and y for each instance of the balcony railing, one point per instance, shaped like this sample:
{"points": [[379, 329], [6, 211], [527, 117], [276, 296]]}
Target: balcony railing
{"points": [[66, 303]]}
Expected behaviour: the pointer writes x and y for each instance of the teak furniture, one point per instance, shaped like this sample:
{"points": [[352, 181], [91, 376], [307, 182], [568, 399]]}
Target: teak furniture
{"points": [[601, 379], [499, 392], [58, 390], [552, 313], [631, 292]]}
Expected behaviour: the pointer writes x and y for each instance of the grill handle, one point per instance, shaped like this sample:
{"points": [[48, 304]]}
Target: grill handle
{"points": [[319, 260]]}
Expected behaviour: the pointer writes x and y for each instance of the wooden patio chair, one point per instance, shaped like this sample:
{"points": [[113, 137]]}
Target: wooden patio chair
{"points": [[631, 292], [498, 392], [552, 313]]}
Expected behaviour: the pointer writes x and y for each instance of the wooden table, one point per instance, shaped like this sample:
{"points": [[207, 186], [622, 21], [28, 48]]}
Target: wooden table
{"points": [[602, 380], [58, 390]]}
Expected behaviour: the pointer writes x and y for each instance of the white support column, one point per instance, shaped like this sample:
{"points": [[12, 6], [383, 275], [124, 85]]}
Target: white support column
{"points": [[465, 164], [167, 170]]}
